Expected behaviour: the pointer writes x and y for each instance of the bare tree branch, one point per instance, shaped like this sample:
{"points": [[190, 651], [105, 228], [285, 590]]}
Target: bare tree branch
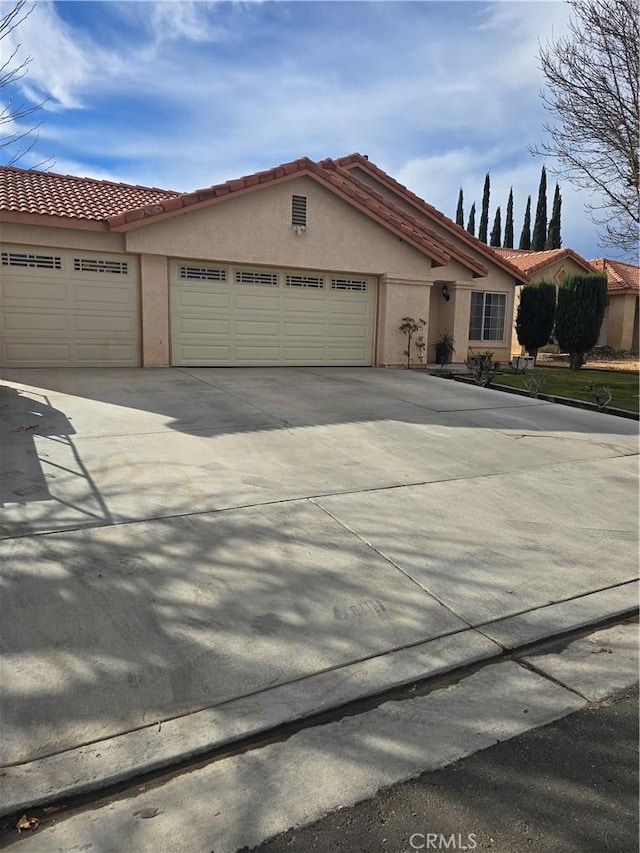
{"points": [[592, 95], [15, 145]]}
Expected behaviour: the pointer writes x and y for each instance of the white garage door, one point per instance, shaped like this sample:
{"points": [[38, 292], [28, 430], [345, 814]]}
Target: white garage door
{"points": [[62, 308], [236, 315]]}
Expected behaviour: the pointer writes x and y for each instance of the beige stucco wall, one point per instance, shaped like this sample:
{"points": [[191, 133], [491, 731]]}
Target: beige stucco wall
{"points": [[63, 238], [256, 228], [154, 296], [399, 298]]}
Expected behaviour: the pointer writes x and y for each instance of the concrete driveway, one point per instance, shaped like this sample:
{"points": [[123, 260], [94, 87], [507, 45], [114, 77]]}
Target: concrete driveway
{"points": [[190, 556]]}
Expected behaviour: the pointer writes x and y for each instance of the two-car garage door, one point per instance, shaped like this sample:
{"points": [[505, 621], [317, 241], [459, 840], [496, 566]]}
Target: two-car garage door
{"points": [[68, 308], [241, 315]]}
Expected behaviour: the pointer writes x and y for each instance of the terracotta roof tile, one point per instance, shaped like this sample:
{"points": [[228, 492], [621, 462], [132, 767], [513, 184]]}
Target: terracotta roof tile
{"points": [[621, 277], [529, 261], [122, 205], [50, 194], [351, 160]]}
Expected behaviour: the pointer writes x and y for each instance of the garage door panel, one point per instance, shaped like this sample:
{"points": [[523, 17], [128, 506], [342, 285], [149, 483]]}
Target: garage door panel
{"points": [[20, 294], [205, 299], [62, 315], [268, 324], [203, 326]]}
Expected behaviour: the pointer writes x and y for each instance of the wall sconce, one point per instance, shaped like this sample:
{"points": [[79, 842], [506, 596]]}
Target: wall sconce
{"points": [[445, 292]]}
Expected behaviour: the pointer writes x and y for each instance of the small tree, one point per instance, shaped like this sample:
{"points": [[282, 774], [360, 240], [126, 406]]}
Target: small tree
{"points": [[460, 210], [536, 315], [508, 224], [582, 300], [525, 236], [409, 326], [539, 236], [484, 216], [553, 236], [496, 231], [471, 224]]}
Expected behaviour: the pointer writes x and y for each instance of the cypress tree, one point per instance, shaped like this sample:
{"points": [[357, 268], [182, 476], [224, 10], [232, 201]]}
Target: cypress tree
{"points": [[536, 315], [460, 210], [554, 240], [508, 224], [539, 236], [582, 299], [525, 237], [484, 216], [496, 231], [471, 224]]}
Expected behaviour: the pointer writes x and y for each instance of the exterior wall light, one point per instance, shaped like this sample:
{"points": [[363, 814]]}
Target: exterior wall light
{"points": [[445, 292]]}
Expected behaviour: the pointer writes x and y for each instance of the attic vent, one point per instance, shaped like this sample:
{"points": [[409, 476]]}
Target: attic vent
{"points": [[91, 265], [247, 277], [299, 211], [349, 284], [304, 281], [203, 273], [21, 259]]}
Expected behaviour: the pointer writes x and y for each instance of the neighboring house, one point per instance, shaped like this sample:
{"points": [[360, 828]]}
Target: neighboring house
{"points": [[303, 264], [549, 265], [620, 325]]}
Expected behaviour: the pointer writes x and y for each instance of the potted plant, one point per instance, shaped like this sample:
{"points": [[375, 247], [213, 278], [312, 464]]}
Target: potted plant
{"points": [[444, 348]]}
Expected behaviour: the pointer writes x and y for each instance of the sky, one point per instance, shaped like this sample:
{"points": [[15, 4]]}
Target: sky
{"points": [[182, 95]]}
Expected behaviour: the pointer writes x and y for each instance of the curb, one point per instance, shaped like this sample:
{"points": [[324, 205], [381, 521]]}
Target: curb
{"points": [[99, 765]]}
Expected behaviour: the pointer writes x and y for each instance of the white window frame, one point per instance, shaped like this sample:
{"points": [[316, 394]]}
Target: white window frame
{"points": [[484, 294]]}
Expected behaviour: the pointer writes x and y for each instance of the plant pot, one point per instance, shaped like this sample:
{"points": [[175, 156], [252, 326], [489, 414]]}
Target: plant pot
{"points": [[443, 354]]}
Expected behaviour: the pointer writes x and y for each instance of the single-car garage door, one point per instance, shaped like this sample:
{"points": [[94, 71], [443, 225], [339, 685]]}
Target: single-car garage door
{"points": [[240, 315], [62, 308]]}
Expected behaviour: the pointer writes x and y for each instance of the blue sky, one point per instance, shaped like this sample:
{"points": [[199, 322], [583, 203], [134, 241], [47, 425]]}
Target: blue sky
{"points": [[183, 94]]}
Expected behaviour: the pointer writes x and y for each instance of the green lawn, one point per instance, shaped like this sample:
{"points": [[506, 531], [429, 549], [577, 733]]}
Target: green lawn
{"points": [[568, 383]]}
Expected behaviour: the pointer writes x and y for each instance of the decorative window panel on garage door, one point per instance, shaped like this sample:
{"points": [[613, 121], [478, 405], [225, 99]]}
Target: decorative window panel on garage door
{"points": [[260, 316], [66, 308]]}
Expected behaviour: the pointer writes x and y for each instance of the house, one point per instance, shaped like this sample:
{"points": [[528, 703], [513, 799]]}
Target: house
{"points": [[303, 264], [549, 265], [620, 325]]}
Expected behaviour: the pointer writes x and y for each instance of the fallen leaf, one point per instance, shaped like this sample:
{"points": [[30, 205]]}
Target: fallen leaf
{"points": [[603, 650], [25, 823], [52, 809], [24, 427], [142, 788]]}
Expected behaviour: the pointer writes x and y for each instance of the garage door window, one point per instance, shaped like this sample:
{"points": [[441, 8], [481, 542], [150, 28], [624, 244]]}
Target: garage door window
{"points": [[23, 259], [487, 316]]}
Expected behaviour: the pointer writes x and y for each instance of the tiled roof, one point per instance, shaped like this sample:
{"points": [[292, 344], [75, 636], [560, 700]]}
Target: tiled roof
{"points": [[49, 194], [122, 206], [621, 277], [350, 161], [529, 261]]}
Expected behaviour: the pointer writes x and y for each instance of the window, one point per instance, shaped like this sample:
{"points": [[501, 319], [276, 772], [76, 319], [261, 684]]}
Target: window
{"points": [[299, 211], [250, 277], [203, 273], [93, 265], [24, 259], [487, 316], [349, 284], [314, 281]]}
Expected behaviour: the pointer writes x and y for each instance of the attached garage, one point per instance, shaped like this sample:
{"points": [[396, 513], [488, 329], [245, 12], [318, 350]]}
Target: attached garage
{"points": [[243, 315], [64, 308]]}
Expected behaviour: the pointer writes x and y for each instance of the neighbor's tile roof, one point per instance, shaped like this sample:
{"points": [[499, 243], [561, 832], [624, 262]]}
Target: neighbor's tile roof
{"points": [[621, 277], [50, 194], [529, 261]]}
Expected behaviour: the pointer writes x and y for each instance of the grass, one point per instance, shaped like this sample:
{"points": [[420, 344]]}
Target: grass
{"points": [[569, 383]]}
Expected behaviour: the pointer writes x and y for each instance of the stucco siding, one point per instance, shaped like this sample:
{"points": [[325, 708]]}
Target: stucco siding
{"points": [[256, 229], [63, 238]]}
